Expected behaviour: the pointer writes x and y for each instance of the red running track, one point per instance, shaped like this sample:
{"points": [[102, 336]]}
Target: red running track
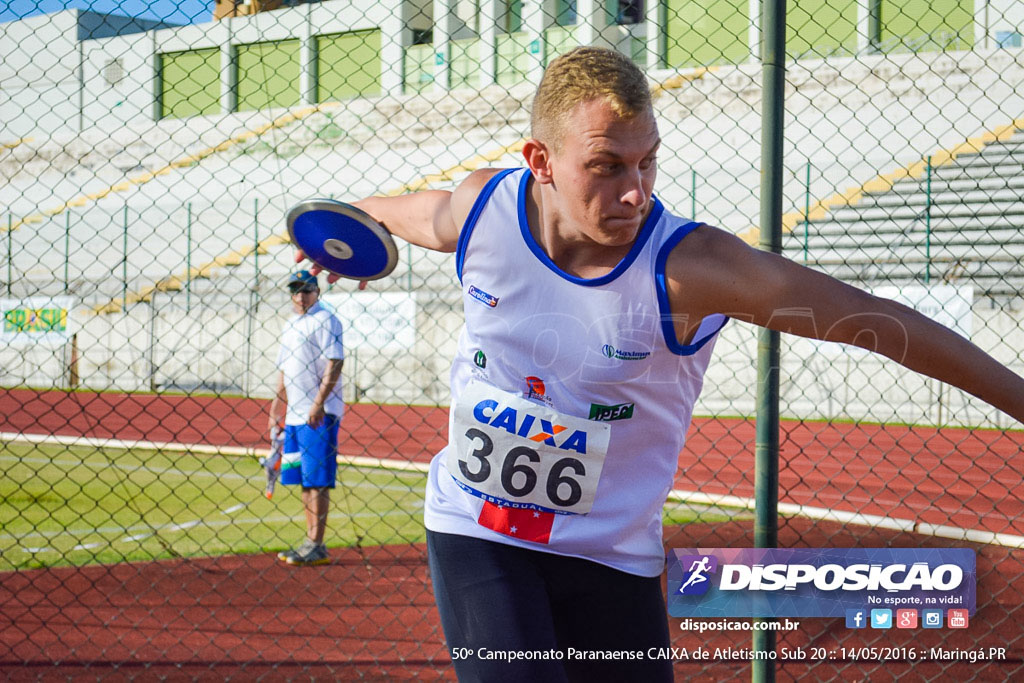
{"points": [[955, 477], [371, 616]]}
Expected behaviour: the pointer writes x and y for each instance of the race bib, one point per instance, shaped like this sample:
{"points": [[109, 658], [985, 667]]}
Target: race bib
{"points": [[511, 451]]}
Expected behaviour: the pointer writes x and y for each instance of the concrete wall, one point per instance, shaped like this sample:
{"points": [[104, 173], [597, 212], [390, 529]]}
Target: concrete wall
{"points": [[51, 62], [39, 74], [853, 118]]}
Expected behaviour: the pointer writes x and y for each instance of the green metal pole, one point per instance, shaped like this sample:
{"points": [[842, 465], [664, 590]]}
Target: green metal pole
{"points": [[408, 259], [188, 259], [693, 194], [124, 263], [766, 450], [10, 253], [928, 224], [874, 26], [256, 242], [67, 248], [807, 210], [253, 299]]}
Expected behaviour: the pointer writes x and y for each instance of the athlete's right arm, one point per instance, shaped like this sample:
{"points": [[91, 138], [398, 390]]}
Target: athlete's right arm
{"points": [[431, 219]]}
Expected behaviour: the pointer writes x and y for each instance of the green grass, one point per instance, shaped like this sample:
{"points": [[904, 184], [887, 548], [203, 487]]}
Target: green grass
{"points": [[73, 505], [76, 505], [688, 513]]}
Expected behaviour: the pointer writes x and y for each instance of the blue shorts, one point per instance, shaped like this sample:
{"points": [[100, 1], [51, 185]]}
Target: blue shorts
{"points": [[310, 456]]}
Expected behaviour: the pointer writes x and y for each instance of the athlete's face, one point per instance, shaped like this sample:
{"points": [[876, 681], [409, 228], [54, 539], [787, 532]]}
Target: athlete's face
{"points": [[303, 299], [604, 172]]}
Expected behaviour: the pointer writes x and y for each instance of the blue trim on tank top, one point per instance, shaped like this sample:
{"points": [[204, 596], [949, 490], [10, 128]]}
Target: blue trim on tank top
{"points": [[668, 328], [645, 233], [474, 215]]}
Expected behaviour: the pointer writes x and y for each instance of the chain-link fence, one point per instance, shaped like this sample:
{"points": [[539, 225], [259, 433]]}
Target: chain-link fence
{"points": [[147, 163]]}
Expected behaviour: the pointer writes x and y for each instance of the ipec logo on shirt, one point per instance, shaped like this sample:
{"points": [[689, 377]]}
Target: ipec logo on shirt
{"points": [[482, 296], [479, 359], [697, 569], [621, 411], [535, 385]]}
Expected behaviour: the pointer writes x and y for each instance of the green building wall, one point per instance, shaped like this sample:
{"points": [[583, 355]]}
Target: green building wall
{"points": [[268, 74], [348, 65], [189, 83], [922, 25], [706, 32], [820, 28], [698, 33]]}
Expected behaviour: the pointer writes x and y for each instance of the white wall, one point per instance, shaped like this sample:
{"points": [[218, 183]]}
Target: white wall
{"points": [[39, 62]]}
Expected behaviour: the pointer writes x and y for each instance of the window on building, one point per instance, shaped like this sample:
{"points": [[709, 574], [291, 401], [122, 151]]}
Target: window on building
{"points": [[511, 20], [113, 71], [565, 12], [630, 12], [468, 12]]}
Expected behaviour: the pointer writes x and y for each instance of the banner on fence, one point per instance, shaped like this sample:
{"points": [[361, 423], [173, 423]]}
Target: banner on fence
{"points": [[376, 321], [37, 321]]}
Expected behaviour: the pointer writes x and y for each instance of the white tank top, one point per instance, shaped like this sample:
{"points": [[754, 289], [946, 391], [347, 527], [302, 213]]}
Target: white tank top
{"points": [[571, 397]]}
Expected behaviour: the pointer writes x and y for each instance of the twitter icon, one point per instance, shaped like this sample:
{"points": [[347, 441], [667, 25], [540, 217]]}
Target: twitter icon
{"points": [[881, 618]]}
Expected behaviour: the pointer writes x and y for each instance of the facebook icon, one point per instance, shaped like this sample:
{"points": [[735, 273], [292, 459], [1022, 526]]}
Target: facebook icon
{"points": [[856, 618]]}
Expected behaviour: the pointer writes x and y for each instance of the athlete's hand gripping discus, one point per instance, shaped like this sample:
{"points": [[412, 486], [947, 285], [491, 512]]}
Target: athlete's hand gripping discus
{"points": [[342, 239]]}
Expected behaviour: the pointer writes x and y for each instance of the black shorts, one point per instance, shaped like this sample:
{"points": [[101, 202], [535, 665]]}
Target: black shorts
{"points": [[504, 607]]}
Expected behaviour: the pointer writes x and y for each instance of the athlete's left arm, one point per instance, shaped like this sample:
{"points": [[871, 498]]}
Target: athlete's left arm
{"points": [[327, 384], [712, 271]]}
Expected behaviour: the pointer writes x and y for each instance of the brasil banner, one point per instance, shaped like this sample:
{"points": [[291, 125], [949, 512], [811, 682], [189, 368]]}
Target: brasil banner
{"points": [[37, 320]]}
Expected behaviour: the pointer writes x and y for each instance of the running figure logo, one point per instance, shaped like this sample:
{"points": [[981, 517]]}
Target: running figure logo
{"points": [[698, 567]]}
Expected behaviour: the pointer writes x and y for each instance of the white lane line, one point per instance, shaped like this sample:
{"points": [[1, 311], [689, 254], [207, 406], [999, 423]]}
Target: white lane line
{"points": [[399, 466], [844, 517], [127, 444], [187, 474], [678, 495], [217, 524], [124, 468]]}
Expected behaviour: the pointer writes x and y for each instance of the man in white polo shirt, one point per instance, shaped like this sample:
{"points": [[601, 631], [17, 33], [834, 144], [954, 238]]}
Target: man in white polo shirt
{"points": [[310, 361]]}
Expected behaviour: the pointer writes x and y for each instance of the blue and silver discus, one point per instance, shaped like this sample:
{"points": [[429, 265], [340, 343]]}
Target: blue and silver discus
{"points": [[342, 239]]}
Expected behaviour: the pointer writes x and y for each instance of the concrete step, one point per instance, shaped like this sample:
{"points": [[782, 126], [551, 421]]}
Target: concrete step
{"points": [[1002, 231], [992, 256], [1013, 208], [941, 197], [873, 275], [957, 171], [962, 185], [1012, 242], [995, 156]]}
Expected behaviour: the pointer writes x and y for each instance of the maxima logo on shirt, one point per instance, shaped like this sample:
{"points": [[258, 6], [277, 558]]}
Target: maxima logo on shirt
{"points": [[481, 295], [611, 352]]}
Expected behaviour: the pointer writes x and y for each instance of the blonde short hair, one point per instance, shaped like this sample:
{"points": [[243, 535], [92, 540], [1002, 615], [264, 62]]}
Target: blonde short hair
{"points": [[581, 75]]}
